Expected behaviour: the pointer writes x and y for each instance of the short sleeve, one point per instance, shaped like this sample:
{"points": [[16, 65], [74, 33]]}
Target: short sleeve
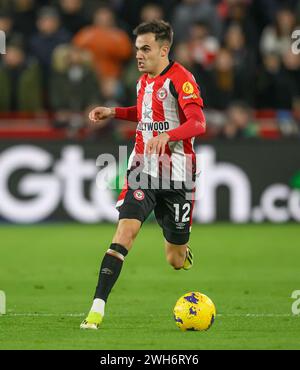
{"points": [[186, 89]]}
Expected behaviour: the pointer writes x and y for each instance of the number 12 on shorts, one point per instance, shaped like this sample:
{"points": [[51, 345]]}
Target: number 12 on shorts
{"points": [[185, 211]]}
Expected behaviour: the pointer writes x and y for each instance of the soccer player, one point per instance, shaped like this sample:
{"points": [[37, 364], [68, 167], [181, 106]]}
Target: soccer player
{"points": [[169, 115]]}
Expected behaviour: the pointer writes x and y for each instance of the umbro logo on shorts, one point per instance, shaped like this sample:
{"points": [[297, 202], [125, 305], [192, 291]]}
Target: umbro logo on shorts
{"points": [[139, 194]]}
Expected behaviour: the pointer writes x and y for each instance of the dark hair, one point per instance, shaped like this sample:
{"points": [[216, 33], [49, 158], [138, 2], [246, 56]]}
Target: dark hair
{"points": [[161, 29]]}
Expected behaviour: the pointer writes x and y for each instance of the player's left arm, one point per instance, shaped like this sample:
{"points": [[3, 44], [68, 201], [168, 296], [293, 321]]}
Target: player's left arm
{"points": [[195, 125]]}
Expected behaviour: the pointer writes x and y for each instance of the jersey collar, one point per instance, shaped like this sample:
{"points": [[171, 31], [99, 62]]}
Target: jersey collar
{"points": [[161, 73], [167, 68]]}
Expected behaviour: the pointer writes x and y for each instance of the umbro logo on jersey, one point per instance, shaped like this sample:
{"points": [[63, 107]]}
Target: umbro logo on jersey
{"points": [[153, 126]]}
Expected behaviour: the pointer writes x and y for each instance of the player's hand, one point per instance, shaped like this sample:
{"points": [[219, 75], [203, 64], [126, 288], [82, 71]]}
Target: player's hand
{"points": [[157, 145], [100, 113]]}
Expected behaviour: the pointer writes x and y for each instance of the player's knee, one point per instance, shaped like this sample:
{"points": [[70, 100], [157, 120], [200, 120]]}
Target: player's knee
{"points": [[124, 237]]}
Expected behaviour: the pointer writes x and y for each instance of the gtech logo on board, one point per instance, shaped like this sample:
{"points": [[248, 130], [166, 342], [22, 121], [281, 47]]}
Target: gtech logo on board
{"points": [[48, 182], [278, 202], [38, 184]]}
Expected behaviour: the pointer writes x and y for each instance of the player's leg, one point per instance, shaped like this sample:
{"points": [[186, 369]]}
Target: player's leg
{"points": [[135, 207], [114, 257], [175, 254], [174, 214], [126, 232], [179, 256], [110, 269]]}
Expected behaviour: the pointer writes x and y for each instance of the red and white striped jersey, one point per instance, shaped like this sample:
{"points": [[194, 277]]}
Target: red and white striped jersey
{"points": [[160, 107]]}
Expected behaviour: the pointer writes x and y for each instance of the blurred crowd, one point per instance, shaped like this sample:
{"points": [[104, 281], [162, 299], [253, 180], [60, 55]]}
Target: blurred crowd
{"points": [[66, 56]]}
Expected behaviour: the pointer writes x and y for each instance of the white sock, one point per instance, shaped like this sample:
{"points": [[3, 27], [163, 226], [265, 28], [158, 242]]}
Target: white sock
{"points": [[98, 306]]}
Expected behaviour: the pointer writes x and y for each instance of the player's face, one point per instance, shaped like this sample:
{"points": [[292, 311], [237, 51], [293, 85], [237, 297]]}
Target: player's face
{"points": [[149, 53]]}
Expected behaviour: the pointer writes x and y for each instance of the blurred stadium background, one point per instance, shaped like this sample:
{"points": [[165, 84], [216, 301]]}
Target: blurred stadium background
{"points": [[62, 58]]}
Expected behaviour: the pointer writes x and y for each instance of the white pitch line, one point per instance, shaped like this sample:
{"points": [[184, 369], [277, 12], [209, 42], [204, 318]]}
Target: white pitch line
{"points": [[218, 314], [256, 315], [46, 314]]}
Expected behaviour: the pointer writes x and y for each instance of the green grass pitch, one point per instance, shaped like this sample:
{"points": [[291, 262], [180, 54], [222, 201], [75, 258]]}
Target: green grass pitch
{"points": [[49, 273]]}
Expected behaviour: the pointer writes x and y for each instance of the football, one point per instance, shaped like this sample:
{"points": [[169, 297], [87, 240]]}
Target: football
{"points": [[194, 311]]}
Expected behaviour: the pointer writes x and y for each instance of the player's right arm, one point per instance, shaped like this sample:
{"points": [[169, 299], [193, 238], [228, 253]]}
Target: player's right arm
{"points": [[101, 113]]}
